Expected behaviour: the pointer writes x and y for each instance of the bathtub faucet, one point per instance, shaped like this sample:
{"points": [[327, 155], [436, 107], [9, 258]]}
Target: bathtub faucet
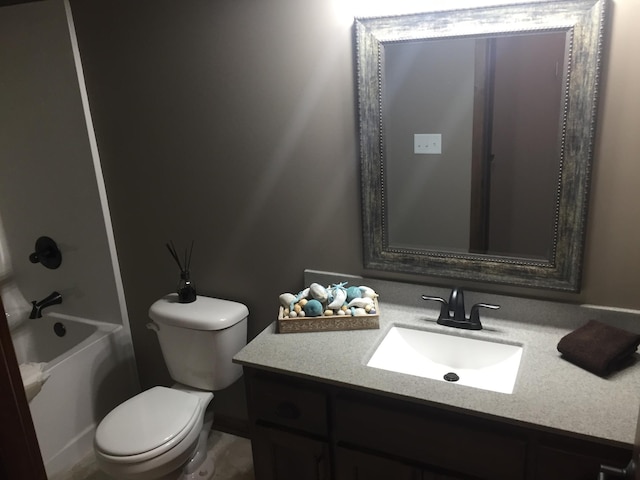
{"points": [[54, 299]]}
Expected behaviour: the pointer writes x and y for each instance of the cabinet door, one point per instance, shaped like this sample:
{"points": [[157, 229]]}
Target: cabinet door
{"points": [[355, 465], [442, 476], [461, 447], [280, 455], [565, 464]]}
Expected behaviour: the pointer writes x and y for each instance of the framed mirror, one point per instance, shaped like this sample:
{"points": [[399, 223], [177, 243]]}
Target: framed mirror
{"points": [[476, 140]]}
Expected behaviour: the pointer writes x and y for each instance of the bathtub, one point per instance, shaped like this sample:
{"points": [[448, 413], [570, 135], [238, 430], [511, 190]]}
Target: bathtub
{"points": [[90, 369]]}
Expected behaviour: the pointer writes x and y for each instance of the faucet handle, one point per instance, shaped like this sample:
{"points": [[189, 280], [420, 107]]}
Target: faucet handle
{"points": [[444, 306], [46, 253], [474, 315]]}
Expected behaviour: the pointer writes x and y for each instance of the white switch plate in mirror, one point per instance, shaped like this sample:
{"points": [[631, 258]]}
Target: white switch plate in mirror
{"points": [[427, 143]]}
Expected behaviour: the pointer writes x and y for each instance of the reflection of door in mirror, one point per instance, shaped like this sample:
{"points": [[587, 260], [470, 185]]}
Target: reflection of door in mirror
{"points": [[523, 155], [496, 102]]}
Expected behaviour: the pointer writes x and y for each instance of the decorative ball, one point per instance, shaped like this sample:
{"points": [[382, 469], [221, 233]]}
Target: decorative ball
{"points": [[313, 308], [353, 292]]}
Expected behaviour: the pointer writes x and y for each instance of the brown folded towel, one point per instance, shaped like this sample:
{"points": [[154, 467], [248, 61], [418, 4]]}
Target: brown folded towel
{"points": [[599, 348]]}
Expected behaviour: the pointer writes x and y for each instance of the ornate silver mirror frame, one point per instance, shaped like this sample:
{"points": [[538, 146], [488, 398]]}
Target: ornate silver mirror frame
{"points": [[583, 23]]}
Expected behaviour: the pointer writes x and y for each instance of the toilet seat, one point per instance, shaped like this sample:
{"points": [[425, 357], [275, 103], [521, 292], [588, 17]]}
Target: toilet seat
{"points": [[148, 425]]}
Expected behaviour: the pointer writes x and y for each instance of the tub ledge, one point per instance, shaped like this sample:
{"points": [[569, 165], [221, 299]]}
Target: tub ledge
{"points": [[33, 377]]}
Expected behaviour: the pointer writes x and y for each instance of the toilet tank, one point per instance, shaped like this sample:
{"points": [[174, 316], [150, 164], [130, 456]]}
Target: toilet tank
{"points": [[199, 339]]}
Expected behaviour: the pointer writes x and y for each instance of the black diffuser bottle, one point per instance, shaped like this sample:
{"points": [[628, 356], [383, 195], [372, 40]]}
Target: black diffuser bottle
{"points": [[186, 288]]}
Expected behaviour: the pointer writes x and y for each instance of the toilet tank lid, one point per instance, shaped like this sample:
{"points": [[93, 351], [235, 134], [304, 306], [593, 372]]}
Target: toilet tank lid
{"points": [[205, 313]]}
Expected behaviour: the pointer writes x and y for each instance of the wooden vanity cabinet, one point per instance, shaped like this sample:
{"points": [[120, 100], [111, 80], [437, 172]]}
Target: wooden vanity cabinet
{"points": [[307, 430], [289, 429]]}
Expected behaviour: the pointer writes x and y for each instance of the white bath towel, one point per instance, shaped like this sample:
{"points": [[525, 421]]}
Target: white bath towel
{"points": [[16, 306], [33, 377], [5, 260]]}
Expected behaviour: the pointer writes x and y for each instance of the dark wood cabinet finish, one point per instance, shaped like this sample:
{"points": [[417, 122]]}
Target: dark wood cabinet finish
{"points": [[576, 462], [290, 429], [309, 430], [356, 465], [452, 442], [282, 455], [289, 405]]}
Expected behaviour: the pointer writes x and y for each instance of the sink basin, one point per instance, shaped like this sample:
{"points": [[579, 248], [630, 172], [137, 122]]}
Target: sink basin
{"points": [[466, 361]]}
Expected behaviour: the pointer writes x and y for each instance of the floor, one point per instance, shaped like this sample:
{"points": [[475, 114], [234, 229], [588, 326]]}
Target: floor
{"points": [[231, 454]]}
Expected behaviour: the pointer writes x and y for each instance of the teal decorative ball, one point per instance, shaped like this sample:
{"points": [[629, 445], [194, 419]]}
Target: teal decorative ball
{"points": [[313, 308], [353, 292]]}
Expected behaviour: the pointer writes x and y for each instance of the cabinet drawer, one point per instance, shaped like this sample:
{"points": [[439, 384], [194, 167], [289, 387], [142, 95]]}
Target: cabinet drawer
{"points": [[289, 405], [448, 441]]}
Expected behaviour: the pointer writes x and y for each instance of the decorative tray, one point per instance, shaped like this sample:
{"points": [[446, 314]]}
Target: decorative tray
{"points": [[359, 307]]}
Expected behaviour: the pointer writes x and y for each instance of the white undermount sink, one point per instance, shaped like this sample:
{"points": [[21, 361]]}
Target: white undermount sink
{"points": [[484, 364]]}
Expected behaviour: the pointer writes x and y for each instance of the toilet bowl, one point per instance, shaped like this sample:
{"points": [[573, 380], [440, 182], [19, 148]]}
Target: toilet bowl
{"points": [[162, 432], [152, 434]]}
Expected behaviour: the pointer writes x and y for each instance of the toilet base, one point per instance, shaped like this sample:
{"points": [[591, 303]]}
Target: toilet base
{"points": [[205, 471], [200, 466]]}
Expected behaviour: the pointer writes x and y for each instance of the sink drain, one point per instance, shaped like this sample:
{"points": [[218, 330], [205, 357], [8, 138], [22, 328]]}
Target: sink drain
{"points": [[451, 377]]}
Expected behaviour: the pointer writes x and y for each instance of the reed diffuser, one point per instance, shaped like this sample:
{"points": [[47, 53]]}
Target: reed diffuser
{"points": [[186, 288]]}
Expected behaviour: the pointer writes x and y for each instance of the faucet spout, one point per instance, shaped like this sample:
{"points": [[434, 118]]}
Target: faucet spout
{"points": [[54, 299], [456, 305], [452, 313], [459, 318]]}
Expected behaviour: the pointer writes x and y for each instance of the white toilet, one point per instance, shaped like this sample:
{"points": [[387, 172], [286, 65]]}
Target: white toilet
{"points": [[162, 433]]}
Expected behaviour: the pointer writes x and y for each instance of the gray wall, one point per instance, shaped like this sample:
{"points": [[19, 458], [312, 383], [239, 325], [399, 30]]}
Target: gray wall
{"points": [[232, 122]]}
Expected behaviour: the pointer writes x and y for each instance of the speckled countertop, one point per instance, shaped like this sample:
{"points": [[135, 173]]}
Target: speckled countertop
{"points": [[550, 392]]}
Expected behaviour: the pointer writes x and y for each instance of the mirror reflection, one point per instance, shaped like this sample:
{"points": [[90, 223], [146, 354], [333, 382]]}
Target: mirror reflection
{"points": [[472, 143]]}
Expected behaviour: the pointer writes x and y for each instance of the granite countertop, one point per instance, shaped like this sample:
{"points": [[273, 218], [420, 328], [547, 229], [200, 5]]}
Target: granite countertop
{"points": [[549, 393]]}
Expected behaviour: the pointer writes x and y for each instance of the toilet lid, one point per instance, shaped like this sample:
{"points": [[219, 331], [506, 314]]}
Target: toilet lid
{"points": [[147, 421]]}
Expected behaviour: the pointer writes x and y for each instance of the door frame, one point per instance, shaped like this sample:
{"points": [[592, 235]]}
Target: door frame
{"points": [[19, 450]]}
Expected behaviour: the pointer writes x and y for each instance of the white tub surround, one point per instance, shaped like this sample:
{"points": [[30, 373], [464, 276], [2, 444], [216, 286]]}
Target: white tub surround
{"points": [[52, 178], [88, 362]]}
